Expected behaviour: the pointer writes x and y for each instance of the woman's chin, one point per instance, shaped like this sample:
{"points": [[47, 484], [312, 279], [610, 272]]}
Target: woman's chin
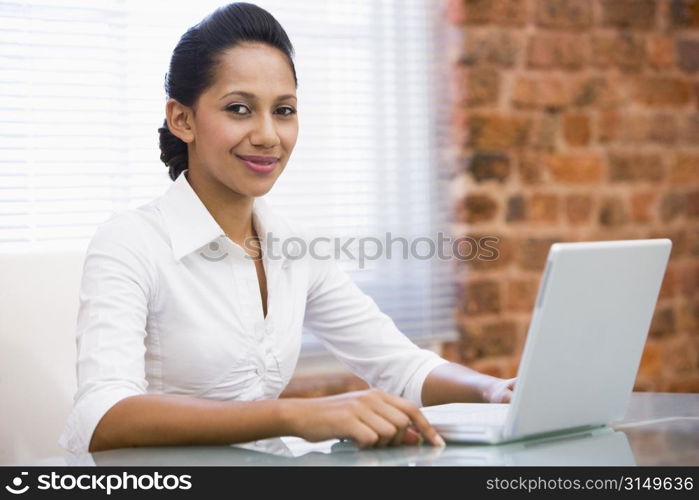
{"points": [[260, 188]]}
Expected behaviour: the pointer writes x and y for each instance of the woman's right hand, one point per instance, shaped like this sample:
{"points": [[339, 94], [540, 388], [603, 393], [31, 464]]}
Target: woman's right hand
{"points": [[370, 418]]}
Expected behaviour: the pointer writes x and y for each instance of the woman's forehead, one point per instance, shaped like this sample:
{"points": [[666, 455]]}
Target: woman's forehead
{"points": [[258, 69]]}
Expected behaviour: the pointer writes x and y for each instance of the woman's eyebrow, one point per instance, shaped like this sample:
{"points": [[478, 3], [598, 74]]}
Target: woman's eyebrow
{"points": [[253, 97]]}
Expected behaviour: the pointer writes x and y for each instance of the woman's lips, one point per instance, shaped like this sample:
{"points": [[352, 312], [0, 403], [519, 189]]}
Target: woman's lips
{"points": [[259, 164]]}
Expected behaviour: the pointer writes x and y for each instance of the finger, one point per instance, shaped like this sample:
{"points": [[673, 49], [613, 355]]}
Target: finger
{"points": [[399, 438], [418, 419], [385, 429], [363, 435], [412, 437], [394, 415]]}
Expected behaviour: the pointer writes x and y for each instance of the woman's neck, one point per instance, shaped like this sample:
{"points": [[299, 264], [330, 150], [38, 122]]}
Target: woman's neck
{"points": [[232, 211]]}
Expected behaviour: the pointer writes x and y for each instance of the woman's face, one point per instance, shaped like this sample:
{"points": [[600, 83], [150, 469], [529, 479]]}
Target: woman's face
{"points": [[260, 122]]}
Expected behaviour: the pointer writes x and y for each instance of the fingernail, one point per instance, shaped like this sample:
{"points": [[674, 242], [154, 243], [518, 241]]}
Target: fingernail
{"points": [[439, 440]]}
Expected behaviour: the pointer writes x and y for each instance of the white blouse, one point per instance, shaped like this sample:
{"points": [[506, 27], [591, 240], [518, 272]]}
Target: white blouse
{"points": [[170, 305]]}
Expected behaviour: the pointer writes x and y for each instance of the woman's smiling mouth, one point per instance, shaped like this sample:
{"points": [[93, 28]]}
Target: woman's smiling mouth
{"points": [[259, 164]]}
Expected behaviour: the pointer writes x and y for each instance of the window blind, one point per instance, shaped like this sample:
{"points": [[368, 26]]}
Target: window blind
{"points": [[81, 92]]}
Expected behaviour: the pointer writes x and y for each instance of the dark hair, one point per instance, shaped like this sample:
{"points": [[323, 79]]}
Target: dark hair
{"points": [[194, 61]]}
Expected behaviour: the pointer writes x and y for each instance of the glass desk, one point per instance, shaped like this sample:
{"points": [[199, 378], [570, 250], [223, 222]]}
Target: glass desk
{"points": [[659, 429]]}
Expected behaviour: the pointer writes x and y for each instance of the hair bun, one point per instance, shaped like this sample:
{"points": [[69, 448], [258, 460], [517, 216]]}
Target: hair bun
{"points": [[173, 151]]}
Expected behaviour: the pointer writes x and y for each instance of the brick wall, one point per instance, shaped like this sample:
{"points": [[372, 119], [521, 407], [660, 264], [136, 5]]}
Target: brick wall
{"points": [[575, 120], [572, 120]]}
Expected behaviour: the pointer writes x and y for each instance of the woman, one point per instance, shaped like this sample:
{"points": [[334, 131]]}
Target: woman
{"points": [[187, 333]]}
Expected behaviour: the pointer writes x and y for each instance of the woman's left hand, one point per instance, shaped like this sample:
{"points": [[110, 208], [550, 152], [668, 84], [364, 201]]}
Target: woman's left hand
{"points": [[499, 390]]}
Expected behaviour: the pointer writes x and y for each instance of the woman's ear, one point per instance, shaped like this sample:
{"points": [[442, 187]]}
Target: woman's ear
{"points": [[179, 120]]}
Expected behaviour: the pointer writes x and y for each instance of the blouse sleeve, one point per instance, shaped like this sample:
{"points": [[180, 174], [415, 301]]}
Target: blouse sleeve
{"points": [[366, 340], [114, 296]]}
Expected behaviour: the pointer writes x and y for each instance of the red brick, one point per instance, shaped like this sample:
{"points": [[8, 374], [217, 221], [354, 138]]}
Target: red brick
{"points": [[686, 319], [491, 46], [521, 294], [624, 167], [692, 239], [684, 13], [531, 253], [652, 360], [680, 241], [477, 11], [693, 204], [672, 205], [486, 166], [482, 86], [689, 285], [688, 55], [451, 351], [576, 129], [663, 323], [685, 169], [481, 297], [578, 208], [642, 206], [496, 132], [488, 340], [624, 50], [681, 384], [545, 130], [531, 168], [503, 12], [608, 125], [511, 12], [597, 91], [660, 51], [667, 287], [553, 51], [479, 208], [628, 13], [662, 91], [635, 128], [613, 212], [662, 128], [575, 168], [564, 14], [499, 338], [525, 93], [548, 92], [682, 351], [689, 129], [485, 260], [515, 209], [543, 208]]}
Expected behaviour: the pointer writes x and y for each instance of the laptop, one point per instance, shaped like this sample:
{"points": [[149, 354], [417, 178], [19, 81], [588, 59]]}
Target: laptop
{"points": [[586, 336]]}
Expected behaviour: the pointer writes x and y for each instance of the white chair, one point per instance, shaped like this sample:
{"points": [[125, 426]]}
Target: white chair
{"points": [[38, 310]]}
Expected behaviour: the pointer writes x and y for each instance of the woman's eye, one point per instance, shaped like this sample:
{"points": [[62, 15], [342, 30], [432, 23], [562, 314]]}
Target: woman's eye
{"points": [[233, 106], [284, 110], [289, 109]]}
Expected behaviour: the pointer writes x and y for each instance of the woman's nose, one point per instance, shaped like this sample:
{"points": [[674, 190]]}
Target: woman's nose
{"points": [[265, 132]]}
